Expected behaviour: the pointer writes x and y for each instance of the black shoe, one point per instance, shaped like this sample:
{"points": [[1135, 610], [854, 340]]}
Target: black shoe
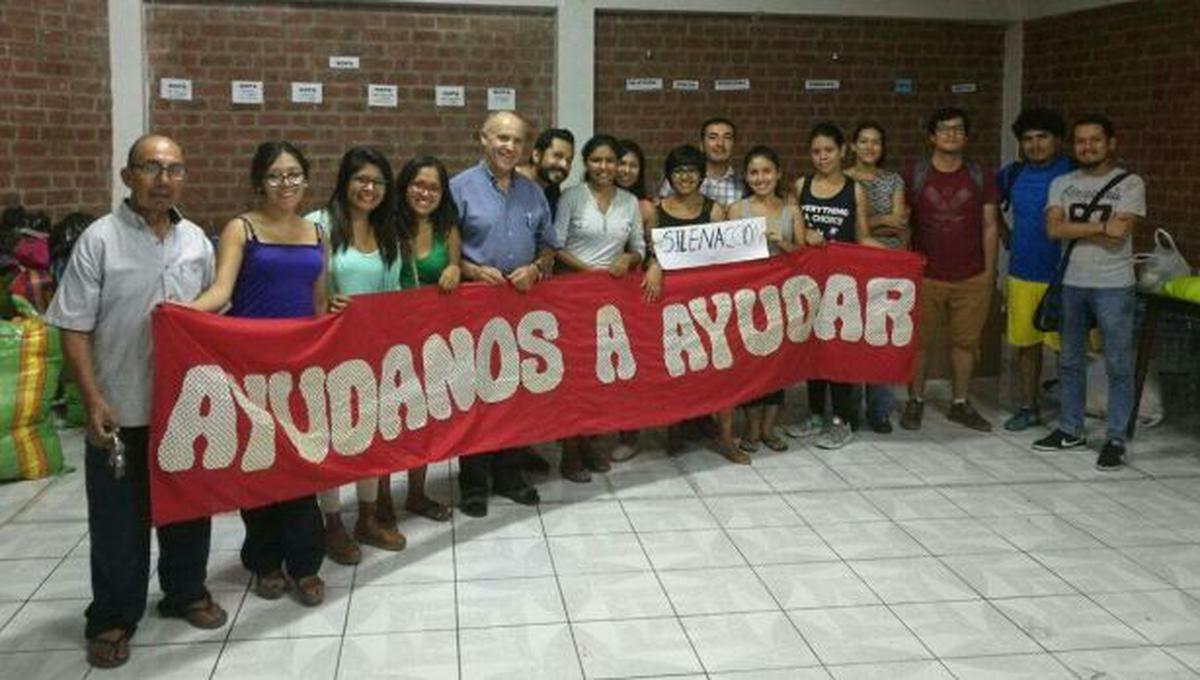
{"points": [[1059, 441], [1112, 456], [524, 494], [913, 412], [964, 414], [882, 426], [528, 460], [474, 506]]}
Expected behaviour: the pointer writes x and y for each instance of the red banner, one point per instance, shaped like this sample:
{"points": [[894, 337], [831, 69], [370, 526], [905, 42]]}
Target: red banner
{"points": [[248, 411]]}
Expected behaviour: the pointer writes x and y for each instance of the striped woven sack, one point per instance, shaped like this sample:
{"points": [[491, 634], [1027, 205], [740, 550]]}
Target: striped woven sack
{"points": [[30, 363]]}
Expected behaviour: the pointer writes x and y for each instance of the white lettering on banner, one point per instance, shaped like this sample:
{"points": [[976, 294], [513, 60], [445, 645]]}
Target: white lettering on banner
{"points": [[612, 344], [765, 342], [713, 243], [714, 326], [882, 305], [840, 302], [360, 403]]}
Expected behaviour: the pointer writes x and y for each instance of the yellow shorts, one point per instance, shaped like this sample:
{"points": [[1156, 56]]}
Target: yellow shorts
{"points": [[1023, 299]]}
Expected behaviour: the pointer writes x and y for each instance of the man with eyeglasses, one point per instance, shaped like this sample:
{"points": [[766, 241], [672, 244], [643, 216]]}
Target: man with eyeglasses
{"points": [[507, 238], [954, 226], [720, 181], [122, 266]]}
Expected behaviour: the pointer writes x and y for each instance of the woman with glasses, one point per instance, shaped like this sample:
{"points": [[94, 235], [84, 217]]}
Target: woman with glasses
{"points": [[360, 219], [686, 206], [272, 264], [600, 229]]}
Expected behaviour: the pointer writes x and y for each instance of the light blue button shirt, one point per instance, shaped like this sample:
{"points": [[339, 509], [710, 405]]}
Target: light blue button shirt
{"points": [[501, 229]]}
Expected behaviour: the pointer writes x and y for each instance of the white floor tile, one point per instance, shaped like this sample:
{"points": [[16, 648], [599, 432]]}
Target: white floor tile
{"points": [[1023, 667], [992, 501], [307, 658], [39, 539], [812, 673], [781, 545], [1099, 571], [716, 591], [621, 595], [619, 649], [912, 579], [155, 629], [1040, 532], [857, 635], [650, 485], [900, 504], [1165, 617], [816, 585], [1068, 622], [802, 478], [423, 560], [599, 554], [1126, 664], [21, 578], [869, 540], [61, 665], [1178, 565], [49, 625], [833, 506], [1189, 655], [512, 558], [728, 479], [600, 517], [955, 536], [502, 521], [509, 602], [401, 608], [747, 642], [898, 670], [748, 512], [424, 655], [527, 652], [952, 629], [286, 618], [675, 514], [701, 549], [169, 662], [999, 575], [1124, 529]]}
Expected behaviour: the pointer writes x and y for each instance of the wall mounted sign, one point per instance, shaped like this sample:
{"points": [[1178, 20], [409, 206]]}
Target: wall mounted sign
{"points": [[343, 63], [643, 84], [685, 85], [176, 89], [903, 86], [964, 88], [822, 84], [386, 96], [450, 95], [502, 99], [731, 84], [307, 93], [246, 91]]}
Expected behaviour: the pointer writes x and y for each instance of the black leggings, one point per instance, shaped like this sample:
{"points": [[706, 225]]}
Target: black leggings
{"points": [[844, 405]]}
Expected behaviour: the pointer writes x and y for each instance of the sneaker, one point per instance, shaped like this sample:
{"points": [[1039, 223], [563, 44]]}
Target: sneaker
{"points": [[836, 436], [809, 427], [913, 411], [964, 414], [1059, 441], [1023, 419], [1112, 456]]}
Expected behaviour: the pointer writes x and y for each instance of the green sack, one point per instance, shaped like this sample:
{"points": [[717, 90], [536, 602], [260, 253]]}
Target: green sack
{"points": [[1184, 288], [30, 363]]}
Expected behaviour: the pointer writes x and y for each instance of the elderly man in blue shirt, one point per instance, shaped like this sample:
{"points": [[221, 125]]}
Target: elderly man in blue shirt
{"points": [[507, 237]]}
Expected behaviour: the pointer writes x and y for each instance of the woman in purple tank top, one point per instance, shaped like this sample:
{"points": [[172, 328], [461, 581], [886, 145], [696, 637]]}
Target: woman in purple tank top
{"points": [[271, 264]]}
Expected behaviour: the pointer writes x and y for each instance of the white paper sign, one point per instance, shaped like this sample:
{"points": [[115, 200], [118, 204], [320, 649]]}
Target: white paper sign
{"points": [[387, 96], [643, 84], [713, 243], [964, 88], [502, 99], [178, 89], [307, 93], [729, 85], [685, 85], [822, 84], [246, 91], [450, 95], [344, 63]]}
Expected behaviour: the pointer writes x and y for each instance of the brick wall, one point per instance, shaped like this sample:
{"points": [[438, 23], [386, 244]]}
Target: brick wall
{"points": [[412, 48], [1138, 64], [55, 107], [778, 54]]}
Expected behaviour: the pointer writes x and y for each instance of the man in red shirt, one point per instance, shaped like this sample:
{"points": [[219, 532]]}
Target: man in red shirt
{"points": [[954, 226]]}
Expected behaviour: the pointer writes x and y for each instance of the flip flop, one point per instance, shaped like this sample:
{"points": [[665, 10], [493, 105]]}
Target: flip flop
{"points": [[204, 613], [748, 446], [431, 509], [103, 653], [775, 443]]}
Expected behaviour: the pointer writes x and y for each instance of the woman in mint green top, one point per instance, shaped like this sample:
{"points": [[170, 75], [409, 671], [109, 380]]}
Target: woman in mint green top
{"points": [[428, 226]]}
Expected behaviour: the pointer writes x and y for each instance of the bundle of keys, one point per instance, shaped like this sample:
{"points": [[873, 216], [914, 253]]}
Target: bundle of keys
{"points": [[116, 455]]}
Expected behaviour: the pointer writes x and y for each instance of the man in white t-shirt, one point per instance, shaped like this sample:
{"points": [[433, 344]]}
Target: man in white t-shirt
{"points": [[1098, 285]]}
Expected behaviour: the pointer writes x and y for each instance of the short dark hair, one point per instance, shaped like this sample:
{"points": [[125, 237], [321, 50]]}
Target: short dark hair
{"points": [[1039, 118], [548, 136], [872, 125], [598, 141], [828, 129], [628, 146], [718, 120], [948, 113], [1095, 119], [269, 152], [686, 156]]}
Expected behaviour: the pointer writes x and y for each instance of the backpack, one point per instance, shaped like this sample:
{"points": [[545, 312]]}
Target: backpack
{"points": [[921, 171]]}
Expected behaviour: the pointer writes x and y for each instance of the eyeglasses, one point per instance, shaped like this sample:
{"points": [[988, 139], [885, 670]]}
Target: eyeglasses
{"points": [[152, 169], [425, 189], [685, 172], [363, 181], [951, 129], [292, 179]]}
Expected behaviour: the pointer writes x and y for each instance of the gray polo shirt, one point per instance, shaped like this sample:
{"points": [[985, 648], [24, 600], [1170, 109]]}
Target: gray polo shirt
{"points": [[118, 272]]}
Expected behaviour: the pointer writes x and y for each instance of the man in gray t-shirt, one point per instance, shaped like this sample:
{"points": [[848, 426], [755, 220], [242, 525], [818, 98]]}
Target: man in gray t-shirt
{"points": [[1097, 207], [122, 266]]}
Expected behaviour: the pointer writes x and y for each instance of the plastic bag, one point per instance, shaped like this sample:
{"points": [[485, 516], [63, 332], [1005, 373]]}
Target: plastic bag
{"points": [[1161, 265], [30, 363]]}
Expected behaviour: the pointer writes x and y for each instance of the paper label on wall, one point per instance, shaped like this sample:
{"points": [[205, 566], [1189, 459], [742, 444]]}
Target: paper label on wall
{"points": [[713, 243], [685, 85], [731, 84], [178, 89], [246, 91], [383, 95], [903, 86], [643, 84], [822, 84], [502, 99], [344, 63], [450, 95], [964, 88], [307, 93]]}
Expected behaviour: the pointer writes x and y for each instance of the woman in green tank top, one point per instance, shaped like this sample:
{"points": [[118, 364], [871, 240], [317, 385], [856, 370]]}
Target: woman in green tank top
{"points": [[428, 225]]}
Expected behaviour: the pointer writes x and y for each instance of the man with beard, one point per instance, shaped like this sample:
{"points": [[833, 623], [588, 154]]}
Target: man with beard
{"points": [[553, 151], [1095, 209], [507, 238]]}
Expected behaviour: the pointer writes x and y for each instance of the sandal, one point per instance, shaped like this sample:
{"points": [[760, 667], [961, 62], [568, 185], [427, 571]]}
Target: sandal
{"points": [[748, 446], [429, 508], [310, 590], [271, 586], [103, 653], [578, 475], [774, 443], [204, 613], [733, 454]]}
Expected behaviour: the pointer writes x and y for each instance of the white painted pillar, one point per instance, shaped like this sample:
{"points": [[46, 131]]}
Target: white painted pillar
{"points": [[1010, 106], [127, 80], [575, 73]]}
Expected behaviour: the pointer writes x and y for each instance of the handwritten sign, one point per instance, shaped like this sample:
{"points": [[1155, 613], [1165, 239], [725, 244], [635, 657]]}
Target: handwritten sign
{"points": [[714, 243]]}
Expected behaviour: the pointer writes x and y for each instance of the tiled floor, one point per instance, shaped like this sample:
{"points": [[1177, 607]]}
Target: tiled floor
{"points": [[939, 554]]}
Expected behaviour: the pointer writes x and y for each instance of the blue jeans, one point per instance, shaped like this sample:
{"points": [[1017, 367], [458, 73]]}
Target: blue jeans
{"points": [[880, 400], [1112, 310]]}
